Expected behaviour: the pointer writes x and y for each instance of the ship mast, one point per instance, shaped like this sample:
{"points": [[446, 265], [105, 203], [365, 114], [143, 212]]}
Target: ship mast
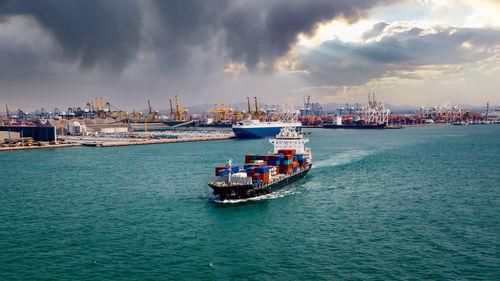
{"points": [[229, 169]]}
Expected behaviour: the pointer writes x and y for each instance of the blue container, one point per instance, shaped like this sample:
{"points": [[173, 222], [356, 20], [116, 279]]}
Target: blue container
{"points": [[262, 169], [256, 181], [223, 172], [294, 169], [235, 169]]}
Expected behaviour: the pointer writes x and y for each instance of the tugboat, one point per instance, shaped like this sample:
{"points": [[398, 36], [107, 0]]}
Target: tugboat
{"points": [[288, 162]]}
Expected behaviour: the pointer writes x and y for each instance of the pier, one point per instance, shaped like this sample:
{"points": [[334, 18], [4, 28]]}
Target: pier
{"points": [[157, 141]]}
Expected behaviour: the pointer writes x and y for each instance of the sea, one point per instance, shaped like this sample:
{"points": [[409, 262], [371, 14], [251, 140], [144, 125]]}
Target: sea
{"points": [[409, 204]]}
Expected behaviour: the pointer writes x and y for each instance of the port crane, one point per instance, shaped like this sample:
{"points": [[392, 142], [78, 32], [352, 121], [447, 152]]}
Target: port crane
{"points": [[153, 114], [250, 112], [238, 115], [259, 114], [220, 113], [179, 114]]}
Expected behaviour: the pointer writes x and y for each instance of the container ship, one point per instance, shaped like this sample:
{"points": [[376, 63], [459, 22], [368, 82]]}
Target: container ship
{"points": [[249, 129], [288, 162], [373, 115], [355, 125]]}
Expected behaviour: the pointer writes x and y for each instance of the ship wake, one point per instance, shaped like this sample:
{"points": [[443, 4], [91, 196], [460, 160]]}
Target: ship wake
{"points": [[343, 158]]}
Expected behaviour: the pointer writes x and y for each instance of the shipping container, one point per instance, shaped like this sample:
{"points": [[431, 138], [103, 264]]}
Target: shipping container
{"points": [[219, 168]]}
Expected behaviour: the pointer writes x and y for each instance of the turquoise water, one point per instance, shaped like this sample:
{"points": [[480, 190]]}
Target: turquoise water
{"points": [[390, 204]]}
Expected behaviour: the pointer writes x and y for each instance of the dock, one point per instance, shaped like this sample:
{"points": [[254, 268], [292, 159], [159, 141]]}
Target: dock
{"points": [[119, 143], [62, 145], [157, 141]]}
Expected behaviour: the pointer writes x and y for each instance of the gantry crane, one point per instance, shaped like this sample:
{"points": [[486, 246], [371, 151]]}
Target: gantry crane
{"points": [[180, 114], [250, 112], [259, 114], [238, 115], [221, 113], [153, 115], [171, 109]]}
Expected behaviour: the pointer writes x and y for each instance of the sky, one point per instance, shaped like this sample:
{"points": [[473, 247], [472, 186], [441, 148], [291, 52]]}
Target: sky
{"points": [[414, 52]]}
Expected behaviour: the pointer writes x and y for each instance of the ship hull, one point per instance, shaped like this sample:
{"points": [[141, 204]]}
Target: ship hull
{"points": [[257, 132], [251, 191], [355, 126], [172, 123], [216, 125]]}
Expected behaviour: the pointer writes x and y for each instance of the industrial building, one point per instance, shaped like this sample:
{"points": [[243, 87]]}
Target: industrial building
{"points": [[37, 133]]}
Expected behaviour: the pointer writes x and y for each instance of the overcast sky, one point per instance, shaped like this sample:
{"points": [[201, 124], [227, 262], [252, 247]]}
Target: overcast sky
{"points": [[65, 53]]}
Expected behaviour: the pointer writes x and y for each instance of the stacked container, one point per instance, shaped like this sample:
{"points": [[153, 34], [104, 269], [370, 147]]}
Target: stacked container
{"points": [[260, 167], [218, 169], [223, 171]]}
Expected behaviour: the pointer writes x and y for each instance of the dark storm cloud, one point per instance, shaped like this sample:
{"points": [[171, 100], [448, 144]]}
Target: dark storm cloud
{"points": [[109, 32], [92, 32], [339, 63], [267, 31]]}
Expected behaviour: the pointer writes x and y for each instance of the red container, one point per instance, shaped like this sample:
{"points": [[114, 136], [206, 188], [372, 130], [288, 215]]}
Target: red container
{"points": [[287, 151], [265, 177], [257, 177]]}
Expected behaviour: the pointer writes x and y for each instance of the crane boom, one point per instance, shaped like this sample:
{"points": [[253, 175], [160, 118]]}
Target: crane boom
{"points": [[249, 107], [102, 105], [177, 104], [150, 109], [256, 106]]}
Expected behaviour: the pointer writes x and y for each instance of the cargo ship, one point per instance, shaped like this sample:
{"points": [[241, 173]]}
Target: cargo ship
{"points": [[360, 124], [288, 162], [250, 129]]}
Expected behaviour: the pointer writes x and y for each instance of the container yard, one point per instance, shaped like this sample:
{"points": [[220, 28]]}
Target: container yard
{"points": [[375, 114]]}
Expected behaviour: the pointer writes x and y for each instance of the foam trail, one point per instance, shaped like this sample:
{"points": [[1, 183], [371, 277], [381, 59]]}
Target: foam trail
{"points": [[343, 158]]}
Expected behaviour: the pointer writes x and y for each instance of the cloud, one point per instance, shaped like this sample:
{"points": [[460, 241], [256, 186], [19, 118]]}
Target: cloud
{"points": [[110, 33], [339, 63], [92, 32], [376, 30]]}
